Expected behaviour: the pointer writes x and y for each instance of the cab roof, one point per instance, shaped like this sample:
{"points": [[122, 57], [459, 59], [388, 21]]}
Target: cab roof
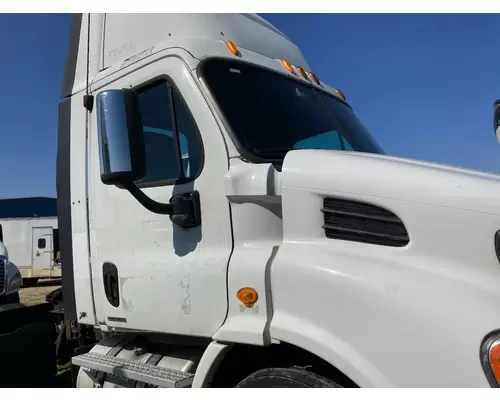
{"points": [[117, 37]]}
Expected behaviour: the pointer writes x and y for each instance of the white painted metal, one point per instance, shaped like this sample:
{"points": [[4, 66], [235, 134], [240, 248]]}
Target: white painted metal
{"points": [[86, 303], [385, 317], [162, 268], [18, 238], [257, 233], [208, 364], [369, 309], [112, 42]]}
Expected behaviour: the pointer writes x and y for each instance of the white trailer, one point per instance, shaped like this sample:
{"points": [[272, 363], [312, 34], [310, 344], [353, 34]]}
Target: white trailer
{"points": [[30, 232]]}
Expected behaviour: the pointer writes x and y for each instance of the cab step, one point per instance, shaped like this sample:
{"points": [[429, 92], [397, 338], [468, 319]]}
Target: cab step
{"points": [[147, 373]]}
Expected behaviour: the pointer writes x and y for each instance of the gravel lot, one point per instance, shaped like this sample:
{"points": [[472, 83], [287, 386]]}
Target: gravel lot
{"points": [[36, 295]]}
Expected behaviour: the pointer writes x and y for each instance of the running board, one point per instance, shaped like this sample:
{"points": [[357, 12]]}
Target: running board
{"points": [[147, 373]]}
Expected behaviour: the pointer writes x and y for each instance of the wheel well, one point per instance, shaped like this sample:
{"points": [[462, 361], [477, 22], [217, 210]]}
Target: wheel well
{"points": [[243, 360]]}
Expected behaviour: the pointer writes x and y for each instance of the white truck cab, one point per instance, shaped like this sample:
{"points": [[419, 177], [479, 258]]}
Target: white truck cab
{"points": [[10, 279], [225, 219]]}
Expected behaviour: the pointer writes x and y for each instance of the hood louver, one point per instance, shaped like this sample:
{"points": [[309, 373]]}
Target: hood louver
{"points": [[360, 222]]}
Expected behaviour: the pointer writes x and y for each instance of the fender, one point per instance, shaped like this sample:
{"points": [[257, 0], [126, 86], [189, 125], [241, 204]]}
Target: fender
{"points": [[326, 346], [209, 363]]}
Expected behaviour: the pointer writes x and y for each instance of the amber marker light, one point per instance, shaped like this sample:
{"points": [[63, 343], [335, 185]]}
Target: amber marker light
{"points": [[302, 72], [341, 94], [232, 47], [287, 66], [314, 78], [248, 296]]}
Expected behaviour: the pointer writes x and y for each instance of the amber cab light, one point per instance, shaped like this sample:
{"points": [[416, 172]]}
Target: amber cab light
{"points": [[287, 65], [232, 47], [302, 72], [494, 358], [341, 94], [314, 78], [248, 296]]}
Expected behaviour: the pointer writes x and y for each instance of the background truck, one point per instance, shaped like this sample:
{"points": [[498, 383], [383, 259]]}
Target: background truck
{"points": [[10, 279], [226, 220]]}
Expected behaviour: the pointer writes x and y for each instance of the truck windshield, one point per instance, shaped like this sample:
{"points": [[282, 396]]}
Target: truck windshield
{"points": [[270, 114]]}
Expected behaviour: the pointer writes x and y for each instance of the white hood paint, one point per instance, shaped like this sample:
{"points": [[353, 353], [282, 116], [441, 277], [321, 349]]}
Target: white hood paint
{"points": [[361, 304], [393, 178]]}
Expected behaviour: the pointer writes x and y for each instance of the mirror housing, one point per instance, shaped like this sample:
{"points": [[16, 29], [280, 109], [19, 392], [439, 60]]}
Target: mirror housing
{"points": [[122, 154], [496, 119], [121, 145]]}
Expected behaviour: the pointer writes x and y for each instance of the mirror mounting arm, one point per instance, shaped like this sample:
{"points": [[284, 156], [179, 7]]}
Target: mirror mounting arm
{"points": [[147, 202]]}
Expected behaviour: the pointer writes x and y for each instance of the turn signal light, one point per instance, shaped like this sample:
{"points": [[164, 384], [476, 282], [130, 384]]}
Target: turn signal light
{"points": [[494, 359], [490, 358], [248, 296]]}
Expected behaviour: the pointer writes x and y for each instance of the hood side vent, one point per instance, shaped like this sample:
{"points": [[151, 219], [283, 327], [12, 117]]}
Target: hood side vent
{"points": [[361, 222]]}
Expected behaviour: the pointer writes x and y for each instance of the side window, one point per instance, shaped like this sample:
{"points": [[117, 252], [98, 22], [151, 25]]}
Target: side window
{"points": [[172, 141], [42, 243]]}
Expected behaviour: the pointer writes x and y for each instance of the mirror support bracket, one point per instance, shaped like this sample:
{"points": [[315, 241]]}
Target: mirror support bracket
{"points": [[184, 209], [88, 102], [147, 202]]}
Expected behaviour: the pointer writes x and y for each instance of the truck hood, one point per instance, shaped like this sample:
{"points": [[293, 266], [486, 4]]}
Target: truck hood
{"points": [[382, 176]]}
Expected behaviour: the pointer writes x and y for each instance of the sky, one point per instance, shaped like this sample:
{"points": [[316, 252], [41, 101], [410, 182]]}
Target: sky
{"points": [[424, 85]]}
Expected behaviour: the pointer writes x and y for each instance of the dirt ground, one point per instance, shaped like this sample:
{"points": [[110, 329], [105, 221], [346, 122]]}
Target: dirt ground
{"points": [[36, 295]]}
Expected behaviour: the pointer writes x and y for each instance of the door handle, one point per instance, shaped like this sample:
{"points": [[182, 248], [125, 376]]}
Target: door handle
{"points": [[110, 282]]}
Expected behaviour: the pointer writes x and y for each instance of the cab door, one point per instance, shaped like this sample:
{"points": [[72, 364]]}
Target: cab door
{"points": [[148, 273]]}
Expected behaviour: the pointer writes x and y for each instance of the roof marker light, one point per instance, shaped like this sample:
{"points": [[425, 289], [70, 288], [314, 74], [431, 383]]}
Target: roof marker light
{"points": [[302, 72], [340, 93], [315, 79], [287, 65], [232, 47]]}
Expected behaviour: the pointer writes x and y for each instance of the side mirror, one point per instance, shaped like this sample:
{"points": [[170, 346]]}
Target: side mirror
{"points": [[496, 119], [122, 153], [121, 143]]}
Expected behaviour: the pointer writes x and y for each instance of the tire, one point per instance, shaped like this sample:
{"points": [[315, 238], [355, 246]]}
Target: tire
{"points": [[29, 282], [12, 298], [286, 378]]}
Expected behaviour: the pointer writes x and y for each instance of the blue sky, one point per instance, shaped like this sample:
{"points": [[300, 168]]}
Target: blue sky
{"points": [[423, 84]]}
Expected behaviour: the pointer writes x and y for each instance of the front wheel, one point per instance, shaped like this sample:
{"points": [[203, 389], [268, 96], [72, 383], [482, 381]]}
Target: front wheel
{"points": [[286, 378], [12, 298]]}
